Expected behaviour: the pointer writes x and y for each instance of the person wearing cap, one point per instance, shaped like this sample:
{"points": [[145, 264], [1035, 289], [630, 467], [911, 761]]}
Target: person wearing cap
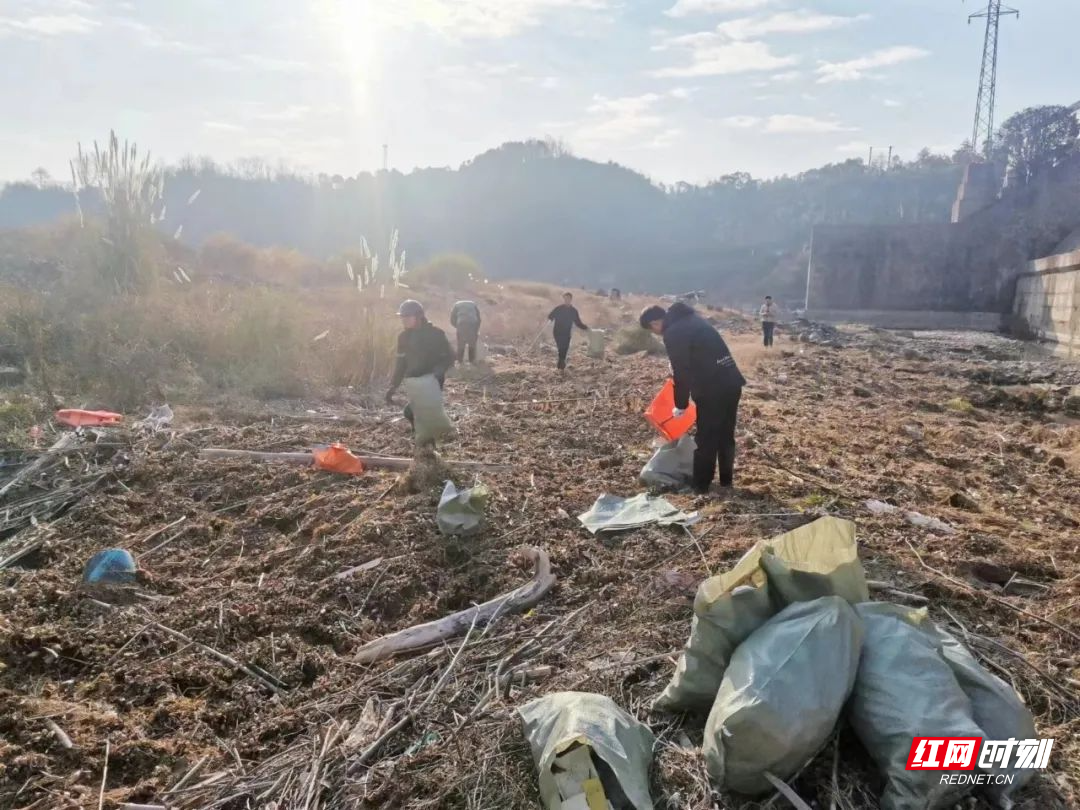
{"points": [[422, 349], [465, 318], [768, 320], [564, 318], [703, 368]]}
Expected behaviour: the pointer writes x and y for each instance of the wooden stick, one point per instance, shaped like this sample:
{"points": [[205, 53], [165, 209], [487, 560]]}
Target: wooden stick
{"points": [[104, 776], [29, 548], [162, 530], [61, 736], [424, 635], [220, 656], [973, 589], [130, 806], [59, 446], [371, 462], [187, 777], [896, 593], [789, 794]]}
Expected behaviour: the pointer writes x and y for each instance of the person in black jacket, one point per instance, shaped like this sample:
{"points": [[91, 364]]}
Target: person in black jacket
{"points": [[422, 349], [704, 369], [564, 318]]}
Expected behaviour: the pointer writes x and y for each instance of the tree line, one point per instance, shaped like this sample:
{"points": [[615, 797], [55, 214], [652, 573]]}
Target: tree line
{"points": [[533, 210]]}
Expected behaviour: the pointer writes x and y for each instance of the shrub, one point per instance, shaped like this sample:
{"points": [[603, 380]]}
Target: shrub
{"points": [[453, 270]]}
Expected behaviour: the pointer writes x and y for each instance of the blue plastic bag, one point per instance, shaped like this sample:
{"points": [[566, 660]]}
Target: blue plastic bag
{"points": [[113, 566]]}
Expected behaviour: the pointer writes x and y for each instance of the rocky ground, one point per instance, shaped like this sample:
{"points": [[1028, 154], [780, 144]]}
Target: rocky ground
{"points": [[972, 430]]}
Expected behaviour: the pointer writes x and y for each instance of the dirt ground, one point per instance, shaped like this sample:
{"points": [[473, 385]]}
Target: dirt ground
{"points": [[967, 429]]}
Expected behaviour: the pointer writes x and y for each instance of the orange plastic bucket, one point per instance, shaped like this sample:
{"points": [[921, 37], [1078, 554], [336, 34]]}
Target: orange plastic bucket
{"points": [[659, 415], [74, 417]]}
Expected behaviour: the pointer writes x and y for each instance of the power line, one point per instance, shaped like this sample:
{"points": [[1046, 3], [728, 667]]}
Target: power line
{"points": [[984, 103]]}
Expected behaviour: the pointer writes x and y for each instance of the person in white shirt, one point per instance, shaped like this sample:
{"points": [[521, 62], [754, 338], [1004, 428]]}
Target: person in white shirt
{"points": [[768, 319]]}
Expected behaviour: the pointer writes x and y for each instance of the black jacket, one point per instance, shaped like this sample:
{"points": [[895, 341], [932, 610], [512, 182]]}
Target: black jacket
{"points": [[420, 351], [565, 317], [700, 359]]}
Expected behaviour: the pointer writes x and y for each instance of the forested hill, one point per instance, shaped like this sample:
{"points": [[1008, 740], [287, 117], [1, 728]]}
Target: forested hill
{"points": [[533, 211]]}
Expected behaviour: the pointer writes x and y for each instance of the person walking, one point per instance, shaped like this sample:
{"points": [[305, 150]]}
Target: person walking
{"points": [[768, 320], [703, 368], [465, 318], [422, 349], [564, 318]]}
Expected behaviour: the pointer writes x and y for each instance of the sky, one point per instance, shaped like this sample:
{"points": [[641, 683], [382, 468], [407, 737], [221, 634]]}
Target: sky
{"points": [[680, 90]]}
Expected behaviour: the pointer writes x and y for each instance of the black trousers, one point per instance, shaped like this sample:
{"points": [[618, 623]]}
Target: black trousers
{"points": [[467, 335], [716, 417], [562, 342], [768, 328]]}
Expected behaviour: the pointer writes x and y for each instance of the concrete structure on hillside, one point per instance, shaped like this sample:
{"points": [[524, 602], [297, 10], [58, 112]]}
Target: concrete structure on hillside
{"points": [[945, 276], [1047, 304]]}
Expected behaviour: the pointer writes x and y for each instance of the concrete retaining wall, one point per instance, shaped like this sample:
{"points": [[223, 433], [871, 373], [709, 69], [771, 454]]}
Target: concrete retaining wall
{"points": [[1048, 301]]}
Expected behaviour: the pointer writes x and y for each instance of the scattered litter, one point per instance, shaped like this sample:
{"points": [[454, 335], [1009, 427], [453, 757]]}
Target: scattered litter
{"points": [[462, 512], [880, 507], [611, 513], [194, 196], [430, 738], [75, 417], [113, 566], [671, 466], [320, 336], [336, 458], [589, 753], [659, 414], [924, 522], [782, 694], [160, 417]]}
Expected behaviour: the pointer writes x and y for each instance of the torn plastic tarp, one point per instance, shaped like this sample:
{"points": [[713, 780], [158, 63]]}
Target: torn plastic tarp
{"points": [[611, 513], [565, 726], [819, 559], [461, 512], [782, 694], [672, 465]]}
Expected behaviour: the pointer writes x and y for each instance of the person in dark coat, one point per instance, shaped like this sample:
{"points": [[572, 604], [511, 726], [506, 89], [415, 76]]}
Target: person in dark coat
{"points": [[465, 318], [422, 349], [703, 368], [564, 318]]}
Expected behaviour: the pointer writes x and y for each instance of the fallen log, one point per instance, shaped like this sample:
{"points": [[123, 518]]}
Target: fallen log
{"points": [[370, 462], [424, 635]]}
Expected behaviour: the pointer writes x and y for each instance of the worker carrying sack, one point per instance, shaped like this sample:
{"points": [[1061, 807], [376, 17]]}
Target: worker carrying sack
{"points": [[782, 694], [671, 466], [905, 689], [430, 421], [590, 754], [819, 559]]}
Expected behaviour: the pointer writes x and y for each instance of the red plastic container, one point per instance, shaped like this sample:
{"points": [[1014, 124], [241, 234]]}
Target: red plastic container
{"points": [[74, 417], [659, 415]]}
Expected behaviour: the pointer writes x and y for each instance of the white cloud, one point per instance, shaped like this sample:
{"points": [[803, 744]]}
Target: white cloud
{"points": [[682, 93], [154, 38], [47, 25], [711, 59], [860, 147], [476, 19], [687, 8], [784, 22], [786, 76], [629, 117], [741, 121], [256, 62], [855, 69], [891, 102], [664, 139], [221, 126], [804, 124]]}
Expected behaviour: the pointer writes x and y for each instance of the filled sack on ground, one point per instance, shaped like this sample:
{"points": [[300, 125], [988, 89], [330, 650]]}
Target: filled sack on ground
{"points": [[671, 466], [781, 695], [589, 753], [905, 689], [996, 708], [819, 559]]}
